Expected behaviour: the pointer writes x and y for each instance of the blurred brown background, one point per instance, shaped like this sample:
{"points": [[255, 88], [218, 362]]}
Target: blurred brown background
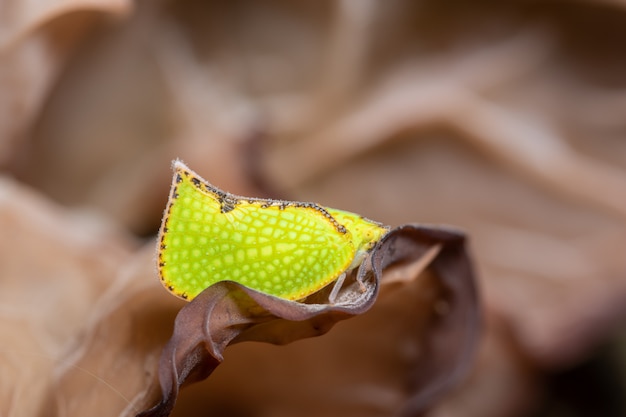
{"points": [[505, 118]]}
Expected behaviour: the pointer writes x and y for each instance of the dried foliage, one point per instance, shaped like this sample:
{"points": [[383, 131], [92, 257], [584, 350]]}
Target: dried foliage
{"points": [[503, 118], [442, 333], [55, 267]]}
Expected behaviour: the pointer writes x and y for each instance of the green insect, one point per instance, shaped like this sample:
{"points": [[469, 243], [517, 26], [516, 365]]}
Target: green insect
{"points": [[283, 248]]}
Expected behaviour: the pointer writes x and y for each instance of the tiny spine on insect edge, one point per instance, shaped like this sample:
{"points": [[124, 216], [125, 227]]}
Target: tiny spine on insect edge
{"points": [[288, 249]]}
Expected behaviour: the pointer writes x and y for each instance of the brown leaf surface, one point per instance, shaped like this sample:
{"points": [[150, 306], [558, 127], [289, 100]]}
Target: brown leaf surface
{"points": [[423, 341], [113, 364], [36, 39], [53, 267]]}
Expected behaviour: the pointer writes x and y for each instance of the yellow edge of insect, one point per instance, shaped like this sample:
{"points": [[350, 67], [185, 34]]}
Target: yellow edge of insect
{"points": [[288, 249]]}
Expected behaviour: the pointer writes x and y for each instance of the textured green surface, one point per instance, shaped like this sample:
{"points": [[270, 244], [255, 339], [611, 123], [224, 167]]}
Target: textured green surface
{"points": [[287, 249]]}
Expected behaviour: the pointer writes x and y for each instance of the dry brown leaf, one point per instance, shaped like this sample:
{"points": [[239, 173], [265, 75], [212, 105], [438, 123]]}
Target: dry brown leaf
{"points": [[53, 266], [20, 18], [425, 327], [501, 382], [113, 363], [412, 348], [36, 39]]}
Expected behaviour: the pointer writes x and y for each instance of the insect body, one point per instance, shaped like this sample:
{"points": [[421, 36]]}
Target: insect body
{"points": [[283, 248]]}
